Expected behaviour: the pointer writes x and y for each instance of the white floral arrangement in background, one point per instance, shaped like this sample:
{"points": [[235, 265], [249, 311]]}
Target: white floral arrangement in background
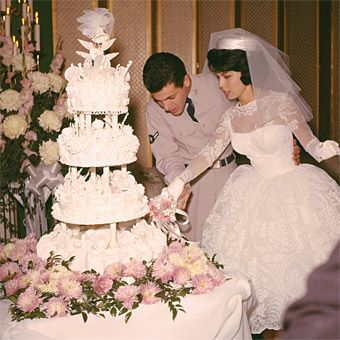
{"points": [[32, 113]]}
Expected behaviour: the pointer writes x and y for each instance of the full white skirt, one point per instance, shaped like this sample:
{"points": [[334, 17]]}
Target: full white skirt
{"points": [[276, 230]]}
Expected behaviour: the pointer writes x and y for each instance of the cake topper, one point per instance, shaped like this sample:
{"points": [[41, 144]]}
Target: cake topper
{"points": [[97, 24]]}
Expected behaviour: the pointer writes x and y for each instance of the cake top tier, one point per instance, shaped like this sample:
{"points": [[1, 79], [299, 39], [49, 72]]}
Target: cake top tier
{"points": [[95, 87]]}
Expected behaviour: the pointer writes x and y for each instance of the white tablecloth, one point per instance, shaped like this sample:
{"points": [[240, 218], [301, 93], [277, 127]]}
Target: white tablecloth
{"points": [[221, 314]]}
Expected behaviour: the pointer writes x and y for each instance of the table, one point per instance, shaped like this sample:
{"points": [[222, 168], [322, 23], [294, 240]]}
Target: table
{"points": [[220, 314]]}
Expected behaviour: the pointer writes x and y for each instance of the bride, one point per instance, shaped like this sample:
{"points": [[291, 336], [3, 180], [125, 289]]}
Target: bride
{"points": [[274, 221]]}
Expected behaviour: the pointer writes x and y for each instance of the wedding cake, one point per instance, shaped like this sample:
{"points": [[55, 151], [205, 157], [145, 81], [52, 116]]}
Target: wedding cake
{"points": [[95, 197]]}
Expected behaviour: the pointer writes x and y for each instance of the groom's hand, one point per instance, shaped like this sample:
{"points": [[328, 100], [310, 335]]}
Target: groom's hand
{"points": [[175, 188], [183, 198]]}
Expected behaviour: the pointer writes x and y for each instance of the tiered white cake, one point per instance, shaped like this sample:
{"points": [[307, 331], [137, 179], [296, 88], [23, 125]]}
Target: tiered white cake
{"points": [[94, 198]]}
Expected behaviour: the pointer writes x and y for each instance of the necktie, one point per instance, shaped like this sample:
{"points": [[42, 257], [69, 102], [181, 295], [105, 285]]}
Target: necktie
{"points": [[191, 109]]}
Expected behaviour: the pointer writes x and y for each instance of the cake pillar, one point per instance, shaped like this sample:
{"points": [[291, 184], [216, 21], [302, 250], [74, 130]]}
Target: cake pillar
{"points": [[81, 122], [114, 120], [73, 170], [106, 172], [113, 235], [88, 123], [93, 173]]}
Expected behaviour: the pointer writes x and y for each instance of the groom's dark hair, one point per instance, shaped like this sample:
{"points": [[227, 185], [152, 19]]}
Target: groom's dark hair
{"points": [[162, 69]]}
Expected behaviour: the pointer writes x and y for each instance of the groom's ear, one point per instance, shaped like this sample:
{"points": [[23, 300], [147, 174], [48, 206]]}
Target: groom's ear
{"points": [[186, 82]]}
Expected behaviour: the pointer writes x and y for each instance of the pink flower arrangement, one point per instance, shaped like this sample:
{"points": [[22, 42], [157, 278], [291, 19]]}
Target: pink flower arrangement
{"points": [[49, 288]]}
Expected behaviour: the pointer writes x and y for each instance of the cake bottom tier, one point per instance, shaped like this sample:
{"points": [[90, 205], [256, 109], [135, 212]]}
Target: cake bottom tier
{"points": [[95, 247]]}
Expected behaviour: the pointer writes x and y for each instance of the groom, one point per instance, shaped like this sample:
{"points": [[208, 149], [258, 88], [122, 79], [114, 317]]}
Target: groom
{"points": [[182, 117]]}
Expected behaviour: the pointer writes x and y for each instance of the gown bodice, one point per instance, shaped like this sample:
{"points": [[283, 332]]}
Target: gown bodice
{"points": [[269, 149], [266, 138]]}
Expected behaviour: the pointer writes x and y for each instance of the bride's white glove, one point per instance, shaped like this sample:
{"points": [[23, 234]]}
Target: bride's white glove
{"points": [[323, 150], [176, 187]]}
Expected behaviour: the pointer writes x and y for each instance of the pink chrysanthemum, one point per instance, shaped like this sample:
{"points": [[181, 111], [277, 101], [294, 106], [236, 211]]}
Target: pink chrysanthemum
{"points": [[115, 270], [56, 307], [174, 247], [203, 284], [31, 242], [31, 261], [102, 284], [148, 291], [81, 277], [127, 295], [181, 275], [28, 301], [135, 269], [69, 288], [163, 270], [19, 250], [8, 271], [11, 287], [216, 274]]}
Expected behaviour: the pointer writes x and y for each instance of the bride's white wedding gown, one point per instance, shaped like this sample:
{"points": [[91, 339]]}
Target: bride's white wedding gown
{"points": [[273, 220]]}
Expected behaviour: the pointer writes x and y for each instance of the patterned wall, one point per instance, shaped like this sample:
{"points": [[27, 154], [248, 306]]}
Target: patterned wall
{"points": [[65, 26], [177, 29], [131, 31], [261, 19], [302, 48], [213, 16], [335, 118]]}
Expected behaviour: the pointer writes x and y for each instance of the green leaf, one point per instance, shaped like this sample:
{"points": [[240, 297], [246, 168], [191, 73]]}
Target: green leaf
{"points": [[85, 317], [128, 316]]}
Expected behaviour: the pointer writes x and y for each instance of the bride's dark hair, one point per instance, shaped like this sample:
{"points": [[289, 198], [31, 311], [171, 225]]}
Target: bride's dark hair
{"points": [[220, 60]]}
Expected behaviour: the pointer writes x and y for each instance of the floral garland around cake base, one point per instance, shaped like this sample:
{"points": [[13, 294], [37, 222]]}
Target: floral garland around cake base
{"points": [[48, 288]]}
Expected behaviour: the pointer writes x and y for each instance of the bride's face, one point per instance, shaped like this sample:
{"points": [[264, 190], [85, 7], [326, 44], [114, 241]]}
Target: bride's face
{"points": [[231, 85]]}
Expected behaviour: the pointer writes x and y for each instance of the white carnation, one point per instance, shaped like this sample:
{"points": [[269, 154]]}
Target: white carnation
{"points": [[14, 126], [49, 152], [10, 100], [56, 82], [40, 82], [18, 63], [50, 121]]}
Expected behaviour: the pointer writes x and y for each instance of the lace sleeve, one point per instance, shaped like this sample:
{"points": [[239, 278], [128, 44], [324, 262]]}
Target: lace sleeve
{"points": [[297, 124], [206, 157]]}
